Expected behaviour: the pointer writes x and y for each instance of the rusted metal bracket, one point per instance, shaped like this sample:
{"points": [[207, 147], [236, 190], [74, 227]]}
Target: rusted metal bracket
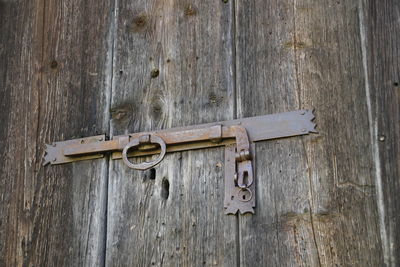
{"points": [[238, 137]]}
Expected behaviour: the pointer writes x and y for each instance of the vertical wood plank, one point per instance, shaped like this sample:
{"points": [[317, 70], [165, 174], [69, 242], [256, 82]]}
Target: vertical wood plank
{"points": [[20, 54], [76, 77], [382, 46], [332, 79], [316, 194], [53, 86], [172, 68], [280, 233]]}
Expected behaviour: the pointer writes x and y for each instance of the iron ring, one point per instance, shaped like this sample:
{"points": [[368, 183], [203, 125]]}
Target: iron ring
{"points": [[144, 165]]}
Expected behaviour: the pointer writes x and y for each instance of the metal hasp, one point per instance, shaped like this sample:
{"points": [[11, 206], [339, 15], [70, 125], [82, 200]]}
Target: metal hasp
{"points": [[238, 137]]}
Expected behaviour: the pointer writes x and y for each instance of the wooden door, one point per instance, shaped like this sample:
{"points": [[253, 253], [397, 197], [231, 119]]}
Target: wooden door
{"points": [[79, 68]]}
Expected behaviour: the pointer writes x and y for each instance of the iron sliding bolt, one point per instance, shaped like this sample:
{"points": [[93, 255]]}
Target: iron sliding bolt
{"points": [[238, 137]]}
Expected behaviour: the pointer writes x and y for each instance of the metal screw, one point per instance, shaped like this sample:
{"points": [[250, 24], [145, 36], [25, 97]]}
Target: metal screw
{"points": [[55, 159], [382, 138], [302, 113], [304, 129], [101, 139]]}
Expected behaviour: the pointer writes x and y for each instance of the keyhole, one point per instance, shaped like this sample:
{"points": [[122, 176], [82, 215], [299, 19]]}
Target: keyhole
{"points": [[245, 195]]}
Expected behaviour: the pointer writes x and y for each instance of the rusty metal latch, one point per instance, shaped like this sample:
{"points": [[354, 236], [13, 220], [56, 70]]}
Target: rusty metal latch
{"points": [[238, 137]]}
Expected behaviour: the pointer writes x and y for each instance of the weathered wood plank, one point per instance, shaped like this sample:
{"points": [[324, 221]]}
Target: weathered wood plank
{"points": [[53, 83], [280, 233], [20, 54], [172, 68], [382, 46], [331, 78], [316, 200], [316, 195]]}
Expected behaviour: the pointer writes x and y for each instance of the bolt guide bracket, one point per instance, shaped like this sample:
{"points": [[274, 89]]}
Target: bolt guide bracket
{"points": [[238, 137]]}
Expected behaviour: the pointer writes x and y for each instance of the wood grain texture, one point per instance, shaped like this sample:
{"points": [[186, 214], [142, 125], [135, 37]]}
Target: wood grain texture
{"points": [[382, 41], [316, 201], [79, 68], [331, 78], [280, 233], [53, 78], [172, 67], [20, 55]]}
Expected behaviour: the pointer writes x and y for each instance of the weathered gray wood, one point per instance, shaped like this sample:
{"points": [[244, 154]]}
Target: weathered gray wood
{"points": [[328, 199], [19, 58], [172, 68], [53, 71], [332, 79], [382, 46], [280, 233], [316, 195]]}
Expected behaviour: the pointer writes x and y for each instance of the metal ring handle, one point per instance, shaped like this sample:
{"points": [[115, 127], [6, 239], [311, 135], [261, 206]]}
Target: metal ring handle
{"points": [[144, 165]]}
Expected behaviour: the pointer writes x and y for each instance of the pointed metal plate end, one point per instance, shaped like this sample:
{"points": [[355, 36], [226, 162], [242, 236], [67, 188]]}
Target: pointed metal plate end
{"points": [[47, 155], [54, 153], [231, 210], [310, 117], [235, 210], [244, 211]]}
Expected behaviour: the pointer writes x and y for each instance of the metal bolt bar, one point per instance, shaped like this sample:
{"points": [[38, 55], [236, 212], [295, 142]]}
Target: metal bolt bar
{"points": [[236, 135]]}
